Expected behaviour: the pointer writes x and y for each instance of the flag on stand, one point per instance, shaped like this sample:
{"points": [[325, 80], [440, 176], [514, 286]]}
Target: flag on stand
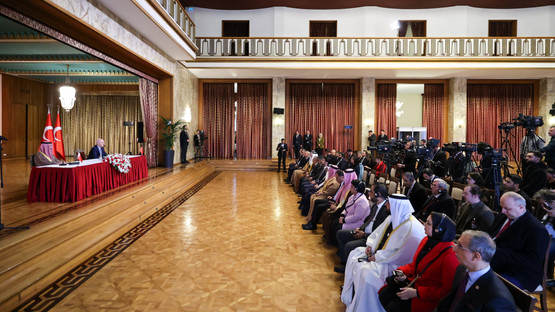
{"points": [[141, 150], [79, 158], [58, 140], [48, 133]]}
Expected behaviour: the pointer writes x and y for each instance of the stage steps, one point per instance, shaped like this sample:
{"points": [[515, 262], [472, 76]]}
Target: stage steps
{"points": [[246, 164], [33, 259]]}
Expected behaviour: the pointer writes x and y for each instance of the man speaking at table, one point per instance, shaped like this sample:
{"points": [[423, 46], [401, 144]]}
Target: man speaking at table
{"points": [[97, 151]]}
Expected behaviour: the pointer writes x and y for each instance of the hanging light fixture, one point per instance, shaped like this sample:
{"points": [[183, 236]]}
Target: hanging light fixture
{"points": [[67, 93]]}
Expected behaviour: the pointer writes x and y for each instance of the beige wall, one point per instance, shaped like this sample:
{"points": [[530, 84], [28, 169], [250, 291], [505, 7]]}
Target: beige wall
{"points": [[412, 110], [185, 93]]}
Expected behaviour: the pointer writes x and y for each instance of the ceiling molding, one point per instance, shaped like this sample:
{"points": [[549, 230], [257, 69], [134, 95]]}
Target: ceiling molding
{"points": [[346, 4]]}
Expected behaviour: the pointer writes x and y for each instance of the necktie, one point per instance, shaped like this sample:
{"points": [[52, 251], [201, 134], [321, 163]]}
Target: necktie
{"points": [[372, 214], [460, 293], [505, 227]]}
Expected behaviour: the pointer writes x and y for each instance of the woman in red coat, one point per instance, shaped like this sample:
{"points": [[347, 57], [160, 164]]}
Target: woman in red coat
{"points": [[435, 264]]}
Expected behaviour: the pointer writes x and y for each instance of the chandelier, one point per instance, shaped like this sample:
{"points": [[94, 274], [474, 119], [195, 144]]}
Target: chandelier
{"points": [[67, 94]]}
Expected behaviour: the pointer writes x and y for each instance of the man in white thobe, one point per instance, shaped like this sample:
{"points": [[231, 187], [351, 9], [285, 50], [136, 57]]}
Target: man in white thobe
{"points": [[391, 245]]}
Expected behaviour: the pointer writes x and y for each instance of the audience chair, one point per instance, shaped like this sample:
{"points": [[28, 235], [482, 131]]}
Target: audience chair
{"points": [[541, 290], [365, 176], [523, 300], [381, 180], [392, 172], [392, 189], [372, 179], [456, 185], [456, 194]]}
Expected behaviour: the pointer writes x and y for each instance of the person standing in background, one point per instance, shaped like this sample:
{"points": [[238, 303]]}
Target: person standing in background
{"points": [[282, 154], [297, 144], [320, 142], [184, 143]]}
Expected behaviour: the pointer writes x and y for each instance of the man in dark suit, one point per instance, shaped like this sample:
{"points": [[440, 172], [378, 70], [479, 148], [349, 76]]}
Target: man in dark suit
{"points": [[535, 175], [282, 154], [475, 286], [414, 191], [348, 240], [372, 139], [184, 144], [382, 137], [473, 214], [439, 201], [297, 143], [97, 151], [439, 161], [307, 141], [521, 244], [297, 165], [408, 164], [197, 140]]}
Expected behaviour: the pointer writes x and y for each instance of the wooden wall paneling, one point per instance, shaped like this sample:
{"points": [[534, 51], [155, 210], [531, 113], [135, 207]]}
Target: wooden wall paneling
{"points": [[18, 130], [34, 125], [21, 90]]}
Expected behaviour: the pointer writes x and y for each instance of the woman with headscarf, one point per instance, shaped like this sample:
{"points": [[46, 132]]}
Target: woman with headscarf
{"points": [[391, 245], [45, 156], [431, 271]]}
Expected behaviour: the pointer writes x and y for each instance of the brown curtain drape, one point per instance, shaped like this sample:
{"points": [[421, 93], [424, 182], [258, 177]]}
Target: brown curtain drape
{"points": [[101, 116], [418, 28], [325, 108], [385, 109], [488, 105], [218, 118], [433, 109], [500, 29], [252, 121], [148, 92]]}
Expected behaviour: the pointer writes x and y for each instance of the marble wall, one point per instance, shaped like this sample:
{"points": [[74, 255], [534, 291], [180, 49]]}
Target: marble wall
{"points": [[368, 108], [546, 100], [185, 94], [278, 121], [457, 110]]}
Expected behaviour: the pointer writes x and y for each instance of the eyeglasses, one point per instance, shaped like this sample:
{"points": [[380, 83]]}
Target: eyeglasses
{"points": [[459, 246]]}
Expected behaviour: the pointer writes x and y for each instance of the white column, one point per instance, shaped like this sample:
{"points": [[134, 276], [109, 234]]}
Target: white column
{"points": [[546, 100], [278, 121], [368, 109], [457, 110]]}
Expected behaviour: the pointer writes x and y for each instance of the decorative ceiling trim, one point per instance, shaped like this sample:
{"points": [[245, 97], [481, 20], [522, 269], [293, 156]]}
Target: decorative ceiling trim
{"points": [[41, 58], [347, 4], [32, 23]]}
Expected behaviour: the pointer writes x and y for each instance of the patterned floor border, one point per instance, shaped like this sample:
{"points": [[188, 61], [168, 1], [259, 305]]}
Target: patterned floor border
{"points": [[86, 201], [51, 295]]}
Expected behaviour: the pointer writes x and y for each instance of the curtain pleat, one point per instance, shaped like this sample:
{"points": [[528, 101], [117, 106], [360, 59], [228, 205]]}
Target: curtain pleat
{"points": [[252, 104], [325, 108], [101, 116], [385, 110], [148, 91], [488, 105], [218, 118], [432, 110]]}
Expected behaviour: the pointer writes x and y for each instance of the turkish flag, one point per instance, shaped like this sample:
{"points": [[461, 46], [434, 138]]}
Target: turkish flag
{"points": [[141, 150], [79, 158], [58, 140], [48, 133]]}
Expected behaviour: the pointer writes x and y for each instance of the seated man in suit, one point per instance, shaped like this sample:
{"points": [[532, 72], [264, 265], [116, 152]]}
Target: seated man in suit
{"points": [[521, 244], [475, 286], [97, 151], [439, 201], [414, 191], [348, 240], [546, 199], [473, 214]]}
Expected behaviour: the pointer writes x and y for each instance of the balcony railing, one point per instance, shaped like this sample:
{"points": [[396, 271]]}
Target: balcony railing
{"points": [[377, 47], [179, 16]]}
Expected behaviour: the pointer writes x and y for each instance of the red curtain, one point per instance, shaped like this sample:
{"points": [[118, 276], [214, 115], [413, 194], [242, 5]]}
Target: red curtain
{"points": [[488, 105], [385, 109], [218, 118], [252, 124], [433, 108], [149, 103], [325, 108]]}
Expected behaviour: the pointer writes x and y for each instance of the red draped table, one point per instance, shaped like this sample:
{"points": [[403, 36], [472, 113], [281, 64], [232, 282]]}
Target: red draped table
{"points": [[71, 183]]}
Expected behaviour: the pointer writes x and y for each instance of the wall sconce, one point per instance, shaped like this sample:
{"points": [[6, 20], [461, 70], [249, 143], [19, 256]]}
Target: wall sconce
{"points": [[187, 117], [459, 123], [278, 120], [551, 120], [369, 123]]}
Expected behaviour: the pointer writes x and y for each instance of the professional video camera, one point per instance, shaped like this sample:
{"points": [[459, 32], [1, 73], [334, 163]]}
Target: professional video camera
{"points": [[506, 126], [451, 148], [494, 153], [432, 143], [528, 122]]}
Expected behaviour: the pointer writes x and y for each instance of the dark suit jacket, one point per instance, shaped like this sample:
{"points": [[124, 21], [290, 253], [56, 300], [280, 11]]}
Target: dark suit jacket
{"points": [[372, 140], [382, 138], [521, 251], [533, 178], [442, 204], [488, 293], [410, 162], [417, 197], [282, 150], [481, 213], [298, 140], [95, 153], [380, 218], [307, 141], [440, 163]]}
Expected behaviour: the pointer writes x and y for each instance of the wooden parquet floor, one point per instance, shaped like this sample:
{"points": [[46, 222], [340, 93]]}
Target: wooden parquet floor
{"points": [[236, 245]]}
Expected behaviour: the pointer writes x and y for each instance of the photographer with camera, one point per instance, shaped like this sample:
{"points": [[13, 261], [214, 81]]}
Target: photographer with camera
{"points": [[549, 150], [439, 162], [408, 164], [530, 142]]}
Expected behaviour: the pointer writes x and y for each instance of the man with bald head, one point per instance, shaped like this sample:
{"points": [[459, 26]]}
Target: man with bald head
{"points": [[521, 244], [97, 151]]}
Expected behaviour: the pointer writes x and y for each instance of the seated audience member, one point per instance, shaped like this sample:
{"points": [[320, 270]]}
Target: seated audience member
{"points": [[533, 178], [300, 172], [97, 151], [316, 173], [357, 166], [347, 240], [521, 244], [380, 166], [330, 188], [391, 245], [414, 191], [427, 177], [475, 286], [476, 178], [439, 201], [309, 188], [434, 263], [45, 156], [512, 183], [546, 198], [356, 210], [473, 214], [299, 163]]}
